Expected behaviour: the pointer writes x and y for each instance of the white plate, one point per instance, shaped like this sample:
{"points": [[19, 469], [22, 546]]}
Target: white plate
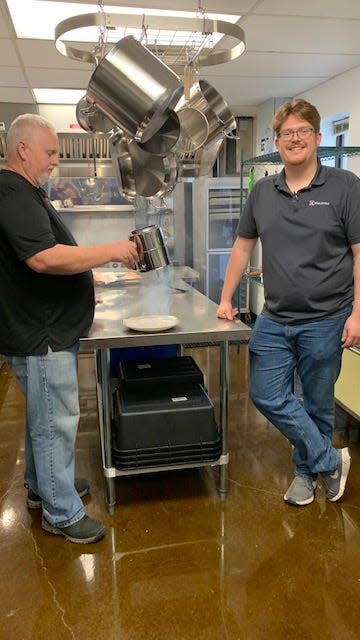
{"points": [[149, 324]]}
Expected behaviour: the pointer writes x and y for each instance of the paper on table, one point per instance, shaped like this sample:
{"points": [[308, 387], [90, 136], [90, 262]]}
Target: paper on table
{"points": [[109, 277]]}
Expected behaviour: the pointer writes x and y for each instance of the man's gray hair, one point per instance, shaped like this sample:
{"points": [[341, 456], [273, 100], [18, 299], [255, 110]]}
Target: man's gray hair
{"points": [[23, 128]]}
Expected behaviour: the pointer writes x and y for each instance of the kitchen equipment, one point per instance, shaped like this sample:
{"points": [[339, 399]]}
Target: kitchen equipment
{"points": [[123, 165], [151, 248], [208, 101], [150, 324], [91, 119], [165, 139], [154, 175], [194, 130], [199, 163], [139, 172], [134, 88]]}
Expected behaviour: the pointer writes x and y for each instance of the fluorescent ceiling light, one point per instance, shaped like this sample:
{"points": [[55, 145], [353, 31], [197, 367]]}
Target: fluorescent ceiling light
{"points": [[58, 96], [38, 19]]}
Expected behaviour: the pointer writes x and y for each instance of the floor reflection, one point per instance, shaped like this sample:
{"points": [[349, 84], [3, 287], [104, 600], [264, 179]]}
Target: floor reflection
{"points": [[177, 562]]}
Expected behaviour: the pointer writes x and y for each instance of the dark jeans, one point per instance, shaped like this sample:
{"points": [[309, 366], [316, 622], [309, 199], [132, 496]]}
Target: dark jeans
{"points": [[314, 350]]}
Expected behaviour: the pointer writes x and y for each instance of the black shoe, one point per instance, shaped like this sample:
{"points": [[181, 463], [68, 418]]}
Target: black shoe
{"points": [[34, 501], [84, 531]]}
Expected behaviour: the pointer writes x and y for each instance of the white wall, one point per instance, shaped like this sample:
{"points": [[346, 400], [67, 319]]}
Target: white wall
{"points": [[338, 95], [62, 116]]}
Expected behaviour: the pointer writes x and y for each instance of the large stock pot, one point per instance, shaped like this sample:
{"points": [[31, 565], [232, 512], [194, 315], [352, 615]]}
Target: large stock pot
{"points": [[134, 89]]}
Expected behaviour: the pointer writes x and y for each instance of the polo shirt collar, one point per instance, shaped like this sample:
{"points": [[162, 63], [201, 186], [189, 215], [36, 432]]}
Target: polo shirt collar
{"points": [[318, 179]]}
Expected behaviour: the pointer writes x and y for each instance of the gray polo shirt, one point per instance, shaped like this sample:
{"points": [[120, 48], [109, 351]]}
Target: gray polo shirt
{"points": [[306, 242]]}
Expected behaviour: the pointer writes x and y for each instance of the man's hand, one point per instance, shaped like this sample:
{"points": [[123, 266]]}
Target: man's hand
{"points": [[226, 311], [125, 251], [351, 332]]}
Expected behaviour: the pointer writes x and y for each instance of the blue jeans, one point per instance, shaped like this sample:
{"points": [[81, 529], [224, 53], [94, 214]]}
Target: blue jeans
{"points": [[313, 349], [50, 386]]}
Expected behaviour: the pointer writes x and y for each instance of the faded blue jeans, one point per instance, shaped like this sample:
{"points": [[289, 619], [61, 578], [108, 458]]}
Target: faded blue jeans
{"points": [[314, 350], [50, 386]]}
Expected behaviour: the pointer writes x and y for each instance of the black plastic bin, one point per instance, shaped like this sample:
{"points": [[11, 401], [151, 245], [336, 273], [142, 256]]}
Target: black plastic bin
{"points": [[167, 455], [170, 416], [150, 374]]}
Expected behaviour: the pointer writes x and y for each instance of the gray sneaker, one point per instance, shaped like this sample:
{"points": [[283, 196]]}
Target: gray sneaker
{"points": [[301, 491], [83, 531], [334, 483]]}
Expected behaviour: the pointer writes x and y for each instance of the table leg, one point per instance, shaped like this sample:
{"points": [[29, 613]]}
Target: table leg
{"points": [[224, 409], [104, 401]]}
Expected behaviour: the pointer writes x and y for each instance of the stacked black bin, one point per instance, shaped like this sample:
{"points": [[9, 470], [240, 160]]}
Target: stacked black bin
{"points": [[163, 415]]}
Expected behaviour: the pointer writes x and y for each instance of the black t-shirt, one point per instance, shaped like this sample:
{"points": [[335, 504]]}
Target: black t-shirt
{"points": [[37, 310]]}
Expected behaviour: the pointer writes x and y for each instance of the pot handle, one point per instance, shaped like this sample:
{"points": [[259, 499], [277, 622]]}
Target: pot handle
{"points": [[139, 249], [162, 204], [231, 135]]}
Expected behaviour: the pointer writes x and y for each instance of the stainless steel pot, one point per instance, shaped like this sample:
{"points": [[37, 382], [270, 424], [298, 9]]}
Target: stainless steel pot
{"points": [[139, 172], [165, 139], [194, 130], [208, 101], [151, 248], [154, 175], [134, 89], [122, 164], [201, 162], [91, 119]]}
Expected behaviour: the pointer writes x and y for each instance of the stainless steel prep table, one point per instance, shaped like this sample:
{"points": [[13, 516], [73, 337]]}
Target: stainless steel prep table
{"points": [[197, 324]]}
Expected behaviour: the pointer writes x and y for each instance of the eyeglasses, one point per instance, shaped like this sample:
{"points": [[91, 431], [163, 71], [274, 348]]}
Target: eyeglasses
{"points": [[302, 133]]}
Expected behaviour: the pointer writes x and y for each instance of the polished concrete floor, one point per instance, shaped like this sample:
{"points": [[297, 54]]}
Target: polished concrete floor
{"points": [[177, 563]]}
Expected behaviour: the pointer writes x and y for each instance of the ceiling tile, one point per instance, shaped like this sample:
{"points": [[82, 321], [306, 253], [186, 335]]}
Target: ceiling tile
{"points": [[42, 78], [12, 77], [8, 55], [13, 94], [44, 54], [290, 47]]}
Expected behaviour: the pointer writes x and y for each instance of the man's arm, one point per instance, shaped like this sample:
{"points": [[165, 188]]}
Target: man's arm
{"points": [[239, 259], [65, 259], [351, 333]]}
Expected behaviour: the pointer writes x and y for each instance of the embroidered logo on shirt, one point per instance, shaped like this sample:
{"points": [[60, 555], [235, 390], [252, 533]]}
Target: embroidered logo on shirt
{"points": [[315, 203]]}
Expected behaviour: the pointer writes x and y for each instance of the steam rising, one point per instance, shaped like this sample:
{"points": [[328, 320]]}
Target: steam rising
{"points": [[156, 292]]}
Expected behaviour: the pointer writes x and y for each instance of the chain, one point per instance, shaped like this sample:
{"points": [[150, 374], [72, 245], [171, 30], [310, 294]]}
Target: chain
{"points": [[99, 50]]}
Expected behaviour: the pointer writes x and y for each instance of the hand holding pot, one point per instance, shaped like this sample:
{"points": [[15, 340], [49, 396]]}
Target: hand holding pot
{"points": [[125, 251]]}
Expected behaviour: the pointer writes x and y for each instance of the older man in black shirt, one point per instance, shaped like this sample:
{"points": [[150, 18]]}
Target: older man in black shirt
{"points": [[46, 306]]}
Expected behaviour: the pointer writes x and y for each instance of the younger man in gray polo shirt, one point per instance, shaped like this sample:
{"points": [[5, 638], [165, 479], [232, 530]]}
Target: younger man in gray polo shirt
{"points": [[308, 220]]}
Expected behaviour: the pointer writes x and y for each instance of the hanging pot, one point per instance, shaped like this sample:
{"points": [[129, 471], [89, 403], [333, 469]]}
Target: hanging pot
{"points": [[199, 163], [151, 248], [122, 164], [139, 172], [134, 89], [165, 139], [208, 101], [154, 175], [194, 130], [91, 119]]}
